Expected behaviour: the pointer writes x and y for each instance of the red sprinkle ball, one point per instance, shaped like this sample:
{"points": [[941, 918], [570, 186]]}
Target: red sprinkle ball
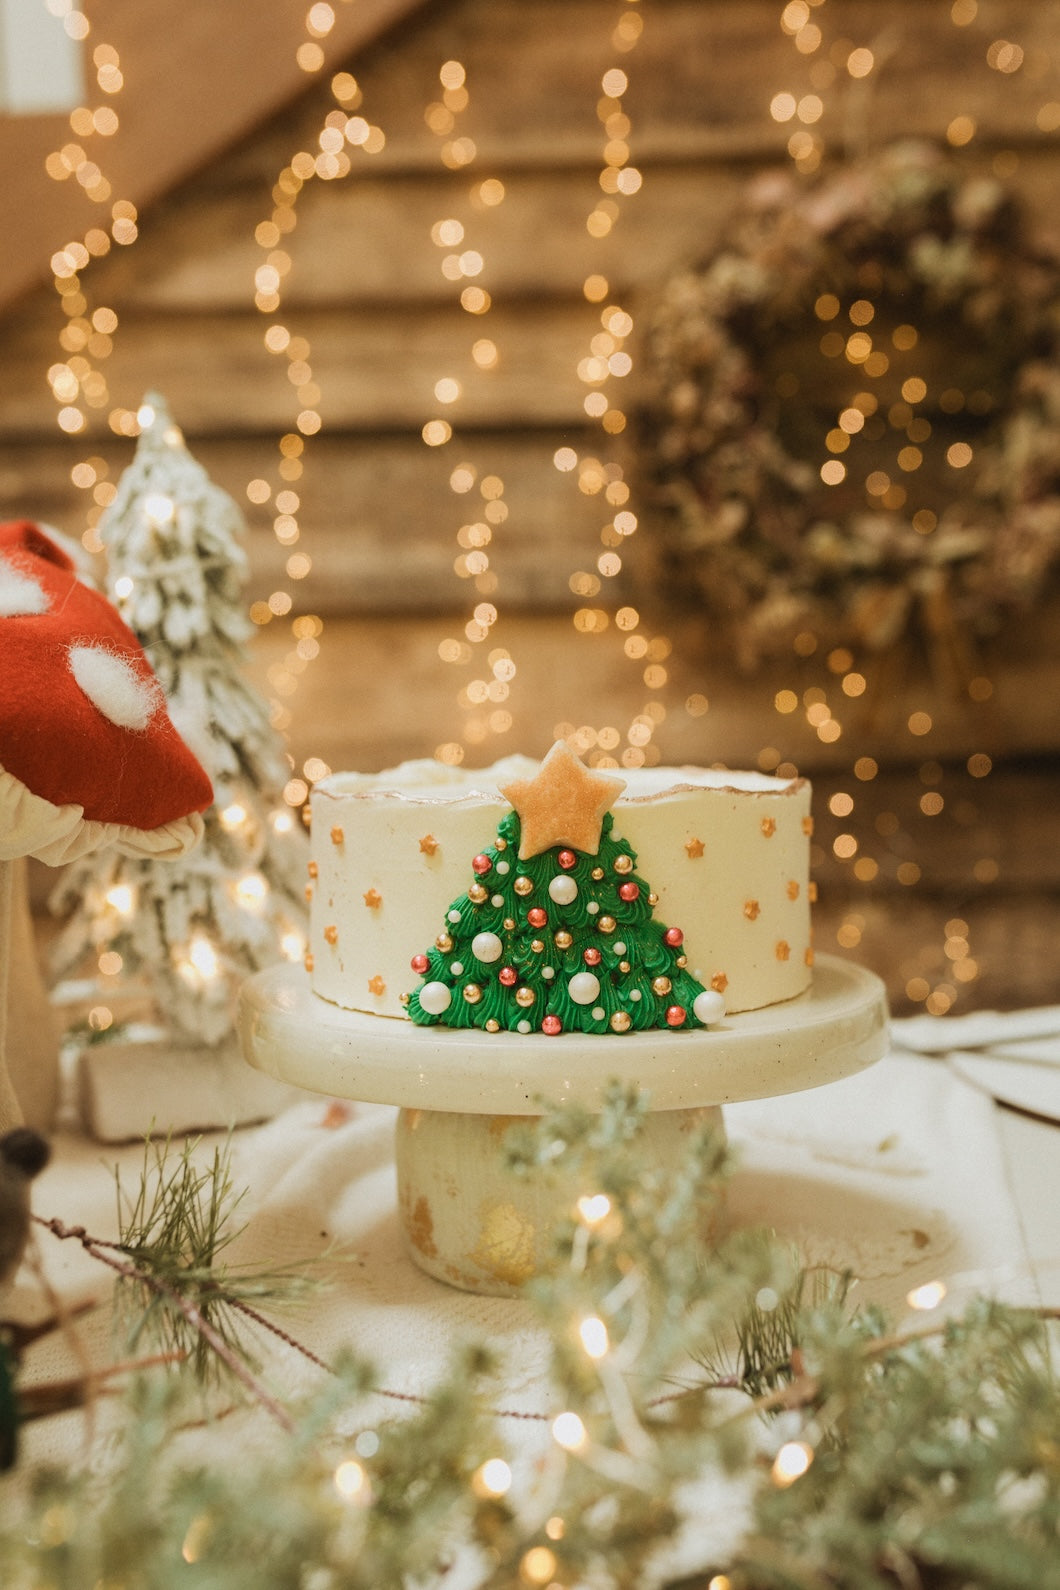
{"points": [[536, 917], [674, 937], [629, 891], [481, 865], [552, 1026], [567, 859], [420, 964], [508, 976], [676, 1016], [591, 956]]}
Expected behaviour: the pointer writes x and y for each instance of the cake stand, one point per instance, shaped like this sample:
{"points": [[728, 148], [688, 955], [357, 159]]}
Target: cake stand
{"points": [[469, 1220]]}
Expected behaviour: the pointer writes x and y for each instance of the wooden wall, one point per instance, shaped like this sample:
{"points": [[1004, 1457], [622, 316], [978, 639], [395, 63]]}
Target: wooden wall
{"points": [[383, 323]]}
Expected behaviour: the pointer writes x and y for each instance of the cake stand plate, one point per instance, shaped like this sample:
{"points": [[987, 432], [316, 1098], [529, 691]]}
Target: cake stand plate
{"points": [[467, 1219]]}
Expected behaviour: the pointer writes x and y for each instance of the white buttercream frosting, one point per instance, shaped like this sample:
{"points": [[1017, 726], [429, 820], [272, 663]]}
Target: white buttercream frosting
{"points": [[727, 853]]}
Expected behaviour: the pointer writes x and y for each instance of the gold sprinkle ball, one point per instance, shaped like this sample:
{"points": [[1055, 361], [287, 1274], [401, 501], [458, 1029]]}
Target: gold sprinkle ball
{"points": [[403, 999], [653, 898], [493, 1025], [331, 933], [500, 844], [623, 864], [538, 946], [509, 924], [523, 885], [525, 997], [661, 985], [606, 924], [472, 993], [337, 835], [682, 961], [562, 940], [624, 967], [597, 873], [621, 1021], [444, 943], [477, 894]]}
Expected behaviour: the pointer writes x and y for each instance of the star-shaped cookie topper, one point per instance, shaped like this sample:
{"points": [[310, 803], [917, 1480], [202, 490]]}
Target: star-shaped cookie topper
{"points": [[563, 804]]}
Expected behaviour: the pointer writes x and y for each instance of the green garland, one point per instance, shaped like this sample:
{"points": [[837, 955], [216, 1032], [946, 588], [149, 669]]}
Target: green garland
{"points": [[930, 1460], [791, 352]]}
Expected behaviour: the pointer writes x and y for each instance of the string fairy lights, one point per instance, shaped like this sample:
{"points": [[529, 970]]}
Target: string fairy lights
{"points": [[483, 700]]}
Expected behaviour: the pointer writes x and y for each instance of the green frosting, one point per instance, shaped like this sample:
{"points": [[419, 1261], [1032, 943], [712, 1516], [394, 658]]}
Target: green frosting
{"points": [[531, 979]]}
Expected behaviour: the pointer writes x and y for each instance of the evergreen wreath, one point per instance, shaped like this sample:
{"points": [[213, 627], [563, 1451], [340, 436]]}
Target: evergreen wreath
{"points": [[851, 418]]}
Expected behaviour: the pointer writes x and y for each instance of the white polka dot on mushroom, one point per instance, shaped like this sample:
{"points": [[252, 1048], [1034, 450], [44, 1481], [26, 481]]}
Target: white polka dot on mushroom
{"points": [[20, 595], [114, 687]]}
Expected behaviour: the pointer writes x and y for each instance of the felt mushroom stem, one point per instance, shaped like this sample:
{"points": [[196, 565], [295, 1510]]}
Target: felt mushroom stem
{"points": [[10, 1112]]}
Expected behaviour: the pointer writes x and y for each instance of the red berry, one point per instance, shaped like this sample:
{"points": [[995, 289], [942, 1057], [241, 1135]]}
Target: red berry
{"points": [[480, 865], [676, 1016], [536, 917], [629, 891], [591, 956], [552, 1026], [673, 937], [507, 975], [420, 964], [567, 859]]}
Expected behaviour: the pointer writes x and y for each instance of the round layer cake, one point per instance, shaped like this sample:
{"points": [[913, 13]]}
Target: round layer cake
{"points": [[726, 853]]}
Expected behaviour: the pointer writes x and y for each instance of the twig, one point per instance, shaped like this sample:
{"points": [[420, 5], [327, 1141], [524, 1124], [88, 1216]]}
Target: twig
{"points": [[98, 1249]]}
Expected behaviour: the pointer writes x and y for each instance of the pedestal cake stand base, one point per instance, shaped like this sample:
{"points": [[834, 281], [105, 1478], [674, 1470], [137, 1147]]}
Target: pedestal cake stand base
{"points": [[468, 1220]]}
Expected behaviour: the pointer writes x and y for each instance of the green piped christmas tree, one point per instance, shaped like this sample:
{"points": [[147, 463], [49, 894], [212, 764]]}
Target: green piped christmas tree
{"points": [[557, 932]]}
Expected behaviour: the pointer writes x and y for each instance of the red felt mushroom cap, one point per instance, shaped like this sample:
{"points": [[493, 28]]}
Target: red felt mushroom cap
{"points": [[88, 754]]}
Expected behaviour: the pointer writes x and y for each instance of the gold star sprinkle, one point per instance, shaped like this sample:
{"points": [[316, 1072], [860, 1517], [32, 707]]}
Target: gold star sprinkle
{"points": [[751, 909], [811, 892], [372, 899], [376, 985], [809, 957], [807, 825], [694, 849], [331, 934], [793, 889], [563, 804], [428, 844], [337, 835], [769, 826], [719, 982], [783, 950], [313, 869], [309, 963]]}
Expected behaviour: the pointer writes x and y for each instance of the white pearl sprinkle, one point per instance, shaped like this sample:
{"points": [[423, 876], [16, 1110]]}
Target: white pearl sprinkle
{"points": [[524, 1026], [584, 988], [497, 901], [435, 998], [502, 867], [619, 948], [599, 1013], [548, 971], [453, 916], [634, 993], [487, 947], [456, 967], [592, 907], [563, 889]]}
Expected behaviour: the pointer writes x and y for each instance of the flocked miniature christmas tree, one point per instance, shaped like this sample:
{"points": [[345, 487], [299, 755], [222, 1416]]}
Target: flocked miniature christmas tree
{"points": [[557, 932], [195, 928]]}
